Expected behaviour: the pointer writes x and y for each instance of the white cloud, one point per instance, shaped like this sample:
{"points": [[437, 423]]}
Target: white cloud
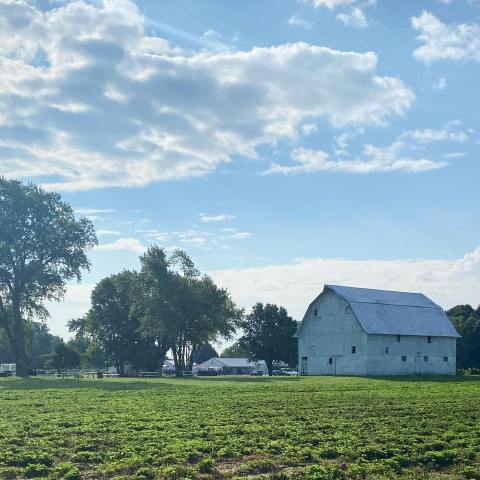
{"points": [[297, 21], [107, 232], [443, 41], [123, 244], [134, 109], [93, 211], [401, 156], [354, 18], [428, 135], [331, 4], [215, 218], [440, 84], [378, 160], [309, 128], [352, 14], [240, 235], [448, 282], [455, 155]]}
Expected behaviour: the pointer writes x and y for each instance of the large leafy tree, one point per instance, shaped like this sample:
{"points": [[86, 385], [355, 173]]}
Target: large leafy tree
{"points": [[467, 322], [268, 335], [182, 309], [42, 246], [158, 302], [113, 322], [207, 314]]}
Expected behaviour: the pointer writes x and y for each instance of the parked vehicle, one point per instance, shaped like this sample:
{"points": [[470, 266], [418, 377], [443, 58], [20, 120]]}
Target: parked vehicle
{"points": [[256, 373]]}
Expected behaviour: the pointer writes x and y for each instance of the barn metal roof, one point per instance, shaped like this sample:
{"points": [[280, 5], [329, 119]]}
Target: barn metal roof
{"points": [[396, 313]]}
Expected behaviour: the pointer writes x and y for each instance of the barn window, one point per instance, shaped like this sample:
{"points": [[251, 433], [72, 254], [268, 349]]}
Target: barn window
{"points": [[387, 350], [398, 338], [445, 359], [347, 309], [315, 312], [404, 358], [429, 339], [354, 349], [330, 360], [425, 358]]}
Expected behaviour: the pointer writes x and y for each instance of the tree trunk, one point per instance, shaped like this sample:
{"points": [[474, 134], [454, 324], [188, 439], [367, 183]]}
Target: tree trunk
{"points": [[269, 367], [19, 341]]}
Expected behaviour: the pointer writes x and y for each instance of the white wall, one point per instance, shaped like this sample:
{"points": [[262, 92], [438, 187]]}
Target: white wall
{"points": [[331, 334], [415, 348]]}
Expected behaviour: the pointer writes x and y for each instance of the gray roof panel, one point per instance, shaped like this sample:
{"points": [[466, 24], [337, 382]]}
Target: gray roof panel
{"points": [[396, 313]]}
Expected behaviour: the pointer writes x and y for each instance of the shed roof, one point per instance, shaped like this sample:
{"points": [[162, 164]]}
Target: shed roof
{"points": [[396, 313], [238, 362]]}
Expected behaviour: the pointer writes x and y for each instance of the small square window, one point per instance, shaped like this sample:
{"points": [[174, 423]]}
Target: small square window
{"points": [[429, 339], [445, 359], [404, 358], [347, 309], [315, 312], [354, 349], [387, 350], [425, 358], [330, 361], [398, 338]]}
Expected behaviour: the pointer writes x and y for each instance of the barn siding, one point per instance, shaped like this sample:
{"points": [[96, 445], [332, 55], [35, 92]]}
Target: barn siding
{"points": [[414, 348], [332, 333]]}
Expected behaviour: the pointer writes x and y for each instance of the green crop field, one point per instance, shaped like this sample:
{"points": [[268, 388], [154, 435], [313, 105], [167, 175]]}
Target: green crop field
{"points": [[223, 428]]}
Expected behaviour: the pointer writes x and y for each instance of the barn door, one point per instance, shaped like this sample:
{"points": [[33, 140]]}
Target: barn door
{"points": [[418, 364], [304, 366]]}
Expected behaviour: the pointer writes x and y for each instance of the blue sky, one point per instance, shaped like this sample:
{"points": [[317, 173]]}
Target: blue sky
{"points": [[284, 143]]}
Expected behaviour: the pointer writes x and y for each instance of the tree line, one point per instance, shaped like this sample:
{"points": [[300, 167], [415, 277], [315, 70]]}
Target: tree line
{"points": [[136, 317]]}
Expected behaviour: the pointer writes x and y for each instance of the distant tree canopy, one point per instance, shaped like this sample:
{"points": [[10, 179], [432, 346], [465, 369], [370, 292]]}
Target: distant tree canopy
{"points": [[205, 352], [38, 343], [269, 335], [42, 245], [236, 350], [467, 322], [62, 357], [137, 317]]}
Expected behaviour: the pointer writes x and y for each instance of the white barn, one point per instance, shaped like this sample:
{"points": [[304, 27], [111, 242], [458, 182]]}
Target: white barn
{"points": [[360, 331]]}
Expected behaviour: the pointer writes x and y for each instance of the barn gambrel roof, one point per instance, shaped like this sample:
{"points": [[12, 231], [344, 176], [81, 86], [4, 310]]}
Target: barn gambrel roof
{"points": [[395, 313]]}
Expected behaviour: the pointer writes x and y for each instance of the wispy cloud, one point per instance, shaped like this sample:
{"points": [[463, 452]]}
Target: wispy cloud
{"points": [[440, 84], [222, 217], [351, 11], [93, 211], [297, 21], [108, 232], [123, 244], [400, 156]]}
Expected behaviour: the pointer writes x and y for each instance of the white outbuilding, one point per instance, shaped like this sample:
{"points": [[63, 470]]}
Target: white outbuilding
{"points": [[360, 331], [232, 366]]}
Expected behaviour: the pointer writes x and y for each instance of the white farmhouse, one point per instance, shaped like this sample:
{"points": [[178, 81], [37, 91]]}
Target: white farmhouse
{"points": [[359, 331]]}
